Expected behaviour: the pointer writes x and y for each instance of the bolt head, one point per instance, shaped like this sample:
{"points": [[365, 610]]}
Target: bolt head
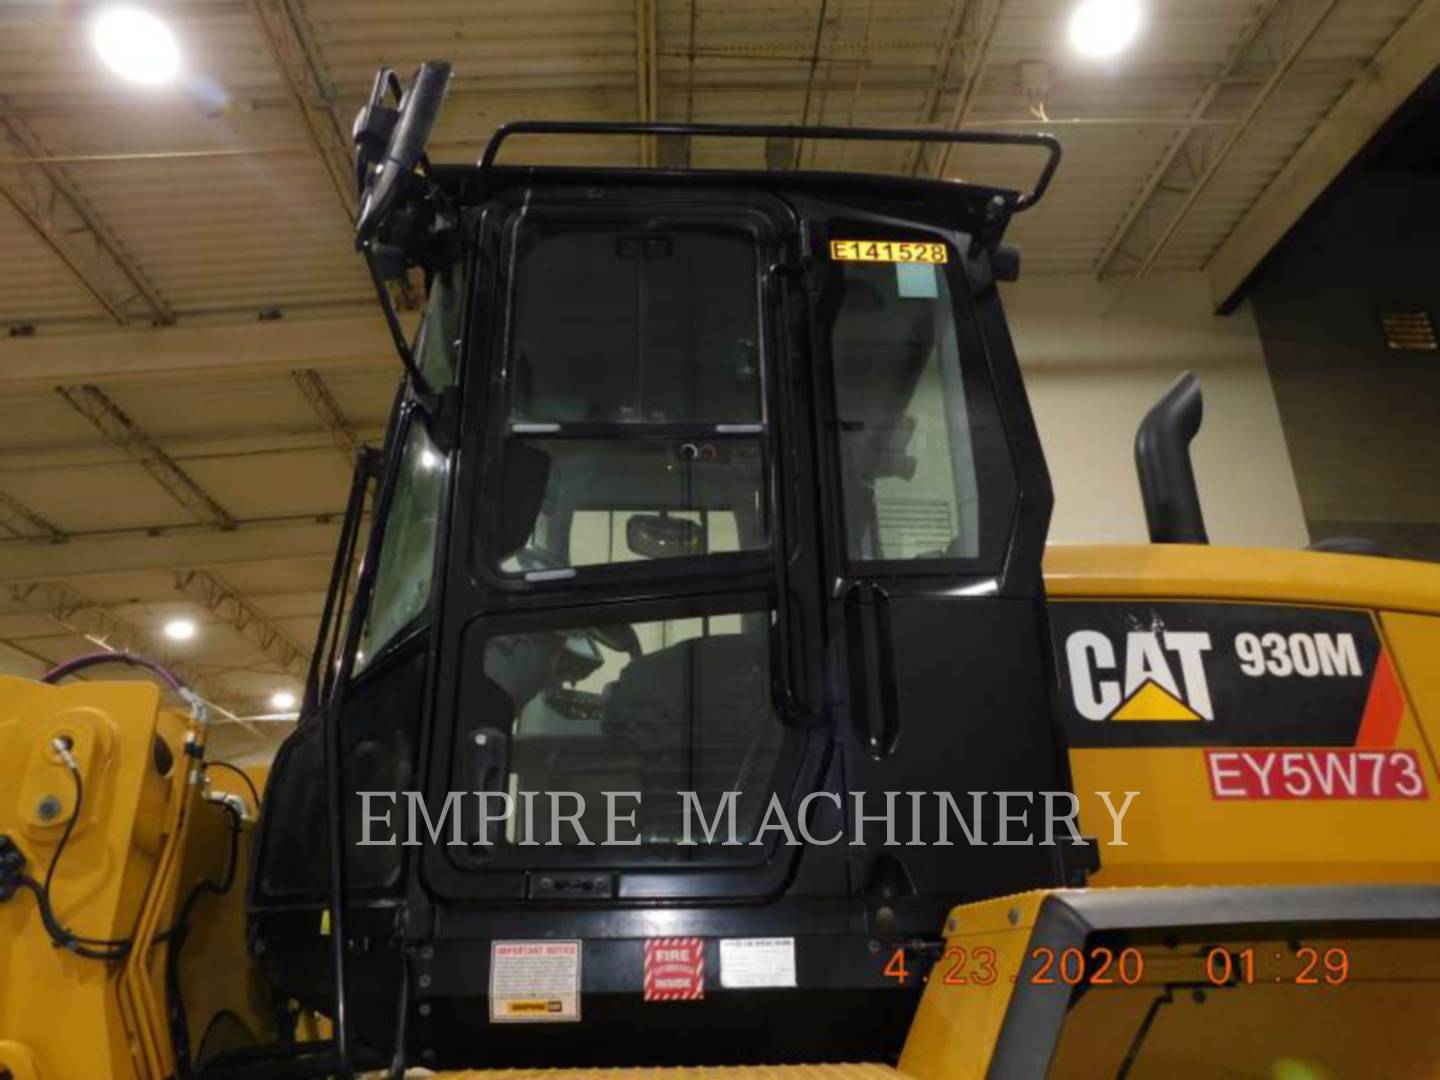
{"points": [[48, 808]]}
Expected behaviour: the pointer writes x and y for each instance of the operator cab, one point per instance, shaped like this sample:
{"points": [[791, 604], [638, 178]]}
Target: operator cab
{"points": [[704, 491]]}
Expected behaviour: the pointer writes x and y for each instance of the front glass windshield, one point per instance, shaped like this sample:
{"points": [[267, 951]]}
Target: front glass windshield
{"points": [[636, 415]]}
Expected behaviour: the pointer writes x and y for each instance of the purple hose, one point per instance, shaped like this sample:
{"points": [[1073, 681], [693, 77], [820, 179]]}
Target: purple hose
{"points": [[80, 663]]}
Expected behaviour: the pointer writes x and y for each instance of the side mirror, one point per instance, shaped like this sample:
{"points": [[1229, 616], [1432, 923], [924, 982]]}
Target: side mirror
{"points": [[657, 537], [412, 123]]}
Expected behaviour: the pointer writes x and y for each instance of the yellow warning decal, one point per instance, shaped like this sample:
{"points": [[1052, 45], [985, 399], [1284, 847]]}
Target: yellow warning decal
{"points": [[889, 251], [1153, 702], [523, 1007]]}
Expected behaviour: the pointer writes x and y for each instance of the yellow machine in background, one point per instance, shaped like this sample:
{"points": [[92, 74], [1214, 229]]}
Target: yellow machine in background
{"points": [[87, 995]]}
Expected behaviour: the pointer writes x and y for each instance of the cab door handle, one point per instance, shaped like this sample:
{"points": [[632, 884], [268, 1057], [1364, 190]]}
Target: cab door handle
{"points": [[874, 693]]}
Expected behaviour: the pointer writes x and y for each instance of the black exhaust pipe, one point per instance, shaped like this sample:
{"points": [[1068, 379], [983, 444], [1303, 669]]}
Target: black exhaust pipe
{"points": [[1162, 458]]}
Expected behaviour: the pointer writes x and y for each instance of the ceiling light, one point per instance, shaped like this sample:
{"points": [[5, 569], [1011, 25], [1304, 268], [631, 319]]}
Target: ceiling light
{"points": [[282, 700], [1103, 28], [180, 629], [136, 45]]}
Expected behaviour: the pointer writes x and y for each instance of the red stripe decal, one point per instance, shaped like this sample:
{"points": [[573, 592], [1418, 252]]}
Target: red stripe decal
{"points": [[1383, 706]]}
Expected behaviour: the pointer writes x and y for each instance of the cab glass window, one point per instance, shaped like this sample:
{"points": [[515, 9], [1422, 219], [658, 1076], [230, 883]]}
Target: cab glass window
{"points": [[924, 469], [658, 707], [635, 416], [439, 334], [407, 550], [630, 499], [617, 322]]}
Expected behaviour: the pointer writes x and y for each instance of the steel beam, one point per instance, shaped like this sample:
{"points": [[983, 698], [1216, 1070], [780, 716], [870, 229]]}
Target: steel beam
{"points": [[95, 405], [977, 62], [1401, 66], [1214, 162], [814, 60], [222, 600], [132, 550], [327, 410], [1158, 176], [283, 32], [50, 203], [944, 60], [25, 523], [85, 617], [647, 76], [117, 357]]}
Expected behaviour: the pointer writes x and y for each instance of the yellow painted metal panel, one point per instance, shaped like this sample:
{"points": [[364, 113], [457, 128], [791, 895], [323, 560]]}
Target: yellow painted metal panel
{"points": [[1177, 832], [859, 1071], [954, 1030], [1207, 572]]}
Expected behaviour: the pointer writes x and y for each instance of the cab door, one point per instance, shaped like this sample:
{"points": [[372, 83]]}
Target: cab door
{"points": [[626, 622], [935, 501]]}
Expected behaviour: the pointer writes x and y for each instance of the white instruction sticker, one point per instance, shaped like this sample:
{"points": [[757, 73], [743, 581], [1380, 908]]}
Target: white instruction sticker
{"points": [[756, 962], [534, 982]]}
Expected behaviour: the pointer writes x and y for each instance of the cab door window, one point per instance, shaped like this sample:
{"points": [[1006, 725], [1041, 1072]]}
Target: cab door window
{"points": [[634, 410], [925, 474], [656, 706]]}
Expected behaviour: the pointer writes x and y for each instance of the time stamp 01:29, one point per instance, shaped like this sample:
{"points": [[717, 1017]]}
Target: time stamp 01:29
{"points": [[1299, 965]]}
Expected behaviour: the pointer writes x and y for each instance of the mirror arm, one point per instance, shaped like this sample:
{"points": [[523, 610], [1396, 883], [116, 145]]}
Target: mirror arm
{"points": [[423, 389]]}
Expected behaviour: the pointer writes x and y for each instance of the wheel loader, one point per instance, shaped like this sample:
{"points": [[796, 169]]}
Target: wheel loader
{"points": [[695, 693]]}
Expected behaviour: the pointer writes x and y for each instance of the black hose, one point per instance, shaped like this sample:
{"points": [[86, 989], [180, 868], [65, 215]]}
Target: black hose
{"points": [[87, 947], [254, 794], [175, 938]]}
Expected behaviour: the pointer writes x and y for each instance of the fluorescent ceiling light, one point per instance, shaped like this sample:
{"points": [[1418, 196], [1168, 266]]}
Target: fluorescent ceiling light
{"points": [[282, 700], [180, 629], [1104, 28], [136, 45]]}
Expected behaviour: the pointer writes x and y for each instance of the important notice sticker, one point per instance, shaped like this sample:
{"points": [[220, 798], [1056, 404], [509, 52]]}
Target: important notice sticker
{"points": [[750, 963], [674, 969], [534, 982]]}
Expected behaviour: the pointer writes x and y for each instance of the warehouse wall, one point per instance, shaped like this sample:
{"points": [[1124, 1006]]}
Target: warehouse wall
{"points": [[1361, 419], [1093, 373]]}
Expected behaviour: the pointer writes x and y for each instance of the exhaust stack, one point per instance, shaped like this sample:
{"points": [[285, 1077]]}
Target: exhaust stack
{"points": [[1162, 459]]}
